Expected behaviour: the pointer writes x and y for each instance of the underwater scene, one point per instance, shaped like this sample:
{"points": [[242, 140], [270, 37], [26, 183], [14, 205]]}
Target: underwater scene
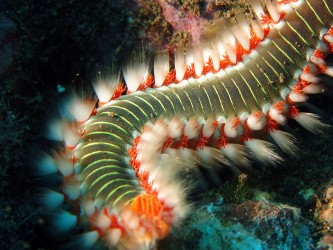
{"points": [[166, 124]]}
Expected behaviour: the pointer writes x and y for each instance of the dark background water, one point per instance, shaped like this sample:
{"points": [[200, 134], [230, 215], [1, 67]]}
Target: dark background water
{"points": [[45, 44]]}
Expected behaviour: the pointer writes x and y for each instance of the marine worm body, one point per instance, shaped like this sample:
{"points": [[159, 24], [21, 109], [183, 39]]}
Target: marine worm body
{"points": [[124, 158]]}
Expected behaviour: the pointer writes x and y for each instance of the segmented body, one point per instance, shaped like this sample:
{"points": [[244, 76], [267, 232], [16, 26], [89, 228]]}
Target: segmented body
{"points": [[212, 114]]}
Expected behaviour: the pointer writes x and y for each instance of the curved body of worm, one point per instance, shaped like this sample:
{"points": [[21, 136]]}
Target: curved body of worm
{"points": [[123, 161]]}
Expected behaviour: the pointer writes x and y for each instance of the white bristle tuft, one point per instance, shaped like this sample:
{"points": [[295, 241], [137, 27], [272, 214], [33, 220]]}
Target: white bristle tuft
{"points": [[257, 29], [88, 239], [105, 87], [64, 221], [328, 38], [329, 71], [297, 97], [277, 115], [215, 55], [141, 231], [231, 129], [71, 188], [189, 57], [170, 189], [309, 77], [231, 50], [313, 88], [161, 68], [229, 42], [188, 155], [310, 122], [147, 166], [263, 151], [209, 155], [244, 26], [150, 145], [134, 222], [64, 166], [148, 157], [126, 215], [180, 64], [80, 109], [220, 48], [207, 53], [112, 236], [273, 11], [185, 154], [103, 221], [70, 135], [156, 135], [147, 162], [173, 195], [242, 31], [147, 134], [136, 71], [237, 154], [192, 128], [242, 38], [198, 60], [257, 8], [88, 207], [317, 60], [256, 121], [175, 128], [323, 47], [54, 130], [209, 127], [285, 141], [46, 165], [160, 129], [51, 199]]}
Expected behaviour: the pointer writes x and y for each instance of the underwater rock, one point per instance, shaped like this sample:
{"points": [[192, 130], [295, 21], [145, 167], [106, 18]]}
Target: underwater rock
{"points": [[249, 225], [324, 214], [279, 226]]}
